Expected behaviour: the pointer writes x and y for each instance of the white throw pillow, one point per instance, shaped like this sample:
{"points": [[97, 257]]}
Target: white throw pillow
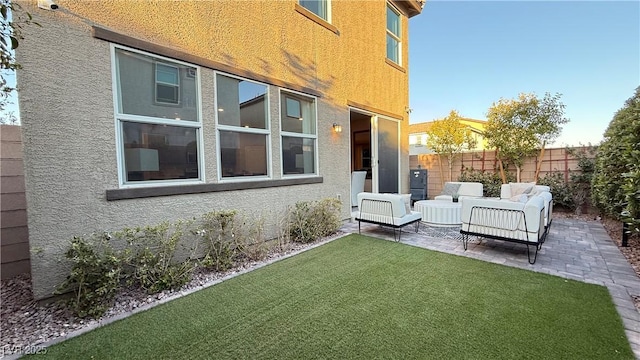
{"points": [[407, 202], [450, 189], [521, 188]]}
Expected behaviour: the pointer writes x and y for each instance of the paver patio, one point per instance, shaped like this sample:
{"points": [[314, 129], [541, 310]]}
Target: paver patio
{"points": [[574, 249]]}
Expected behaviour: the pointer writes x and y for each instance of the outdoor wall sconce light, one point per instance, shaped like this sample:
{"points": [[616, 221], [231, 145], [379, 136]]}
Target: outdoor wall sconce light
{"points": [[337, 128]]}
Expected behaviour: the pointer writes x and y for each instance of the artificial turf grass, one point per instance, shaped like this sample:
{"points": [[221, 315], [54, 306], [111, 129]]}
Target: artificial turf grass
{"points": [[359, 297]]}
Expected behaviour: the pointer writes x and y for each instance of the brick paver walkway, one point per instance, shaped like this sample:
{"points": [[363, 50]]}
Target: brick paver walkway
{"points": [[575, 249]]}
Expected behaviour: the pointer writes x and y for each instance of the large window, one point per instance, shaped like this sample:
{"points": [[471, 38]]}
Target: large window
{"points": [[318, 7], [158, 119], [393, 34], [243, 127], [299, 139]]}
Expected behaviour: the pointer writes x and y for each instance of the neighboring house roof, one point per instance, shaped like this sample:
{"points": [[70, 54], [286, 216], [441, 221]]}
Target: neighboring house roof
{"points": [[418, 146]]}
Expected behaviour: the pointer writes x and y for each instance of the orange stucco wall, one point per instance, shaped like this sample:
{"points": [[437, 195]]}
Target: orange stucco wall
{"points": [[272, 38]]}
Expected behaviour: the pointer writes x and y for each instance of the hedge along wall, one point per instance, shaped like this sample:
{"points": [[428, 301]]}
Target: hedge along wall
{"points": [[554, 160]]}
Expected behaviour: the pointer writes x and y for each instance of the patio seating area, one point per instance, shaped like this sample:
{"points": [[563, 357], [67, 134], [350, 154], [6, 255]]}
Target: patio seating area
{"points": [[574, 249]]}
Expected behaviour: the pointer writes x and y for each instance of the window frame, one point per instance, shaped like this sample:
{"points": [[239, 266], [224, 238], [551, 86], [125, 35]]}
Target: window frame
{"points": [[121, 117], [397, 38], [220, 127], [283, 133], [328, 4], [156, 83]]}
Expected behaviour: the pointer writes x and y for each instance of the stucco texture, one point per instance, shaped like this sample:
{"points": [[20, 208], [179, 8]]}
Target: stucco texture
{"points": [[67, 106]]}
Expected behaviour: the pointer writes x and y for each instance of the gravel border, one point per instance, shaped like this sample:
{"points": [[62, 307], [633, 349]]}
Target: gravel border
{"points": [[27, 327]]}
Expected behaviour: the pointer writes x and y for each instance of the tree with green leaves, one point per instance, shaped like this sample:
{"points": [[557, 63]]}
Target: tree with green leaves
{"points": [[517, 128], [615, 186], [11, 24], [449, 137]]}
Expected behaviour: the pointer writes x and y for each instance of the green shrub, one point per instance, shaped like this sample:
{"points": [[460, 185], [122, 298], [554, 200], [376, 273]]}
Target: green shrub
{"points": [[580, 181], [560, 189], [95, 276], [255, 244], [616, 181], [150, 256], [222, 245], [491, 180], [631, 187], [312, 220]]}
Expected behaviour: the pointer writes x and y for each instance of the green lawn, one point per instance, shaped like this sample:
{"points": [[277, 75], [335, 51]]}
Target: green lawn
{"points": [[359, 297]]}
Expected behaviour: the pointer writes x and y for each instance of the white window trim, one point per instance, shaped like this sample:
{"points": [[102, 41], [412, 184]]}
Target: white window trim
{"points": [[219, 127], [397, 38], [120, 117], [299, 135]]}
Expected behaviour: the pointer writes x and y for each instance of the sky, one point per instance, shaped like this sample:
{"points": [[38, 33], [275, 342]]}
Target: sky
{"points": [[466, 55]]}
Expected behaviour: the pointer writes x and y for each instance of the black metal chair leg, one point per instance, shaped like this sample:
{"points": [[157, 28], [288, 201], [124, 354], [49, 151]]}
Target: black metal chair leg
{"points": [[359, 227], [535, 256]]}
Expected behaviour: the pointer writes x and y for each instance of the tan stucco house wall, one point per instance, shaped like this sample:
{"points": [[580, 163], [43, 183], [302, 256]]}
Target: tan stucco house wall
{"points": [[71, 128]]}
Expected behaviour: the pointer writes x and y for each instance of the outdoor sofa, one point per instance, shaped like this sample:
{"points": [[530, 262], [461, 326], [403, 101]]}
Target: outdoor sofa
{"points": [[392, 210], [519, 219]]}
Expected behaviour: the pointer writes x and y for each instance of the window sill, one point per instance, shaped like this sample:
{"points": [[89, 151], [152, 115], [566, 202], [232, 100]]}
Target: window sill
{"points": [[398, 67], [315, 18], [137, 193]]}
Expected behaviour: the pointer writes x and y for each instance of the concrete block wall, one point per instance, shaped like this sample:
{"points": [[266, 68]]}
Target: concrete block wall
{"points": [[14, 235]]}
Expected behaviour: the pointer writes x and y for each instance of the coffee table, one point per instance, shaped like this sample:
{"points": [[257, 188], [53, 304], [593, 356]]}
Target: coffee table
{"points": [[439, 212]]}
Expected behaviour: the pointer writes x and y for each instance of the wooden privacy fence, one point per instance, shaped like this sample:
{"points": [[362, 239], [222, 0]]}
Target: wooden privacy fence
{"points": [[554, 160], [14, 236]]}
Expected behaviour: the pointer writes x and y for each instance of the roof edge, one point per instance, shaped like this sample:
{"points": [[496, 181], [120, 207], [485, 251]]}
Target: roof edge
{"points": [[410, 7]]}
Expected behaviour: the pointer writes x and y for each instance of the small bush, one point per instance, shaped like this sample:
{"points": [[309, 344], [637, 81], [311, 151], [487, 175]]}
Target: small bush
{"points": [[310, 221], [580, 181], [218, 231], [150, 257], [95, 276], [560, 189], [255, 245]]}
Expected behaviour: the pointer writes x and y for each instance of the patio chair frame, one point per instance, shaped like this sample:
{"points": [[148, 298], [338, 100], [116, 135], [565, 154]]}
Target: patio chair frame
{"points": [[374, 208], [497, 212]]}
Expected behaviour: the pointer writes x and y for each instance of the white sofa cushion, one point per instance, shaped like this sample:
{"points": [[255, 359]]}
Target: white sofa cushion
{"points": [[473, 189]]}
